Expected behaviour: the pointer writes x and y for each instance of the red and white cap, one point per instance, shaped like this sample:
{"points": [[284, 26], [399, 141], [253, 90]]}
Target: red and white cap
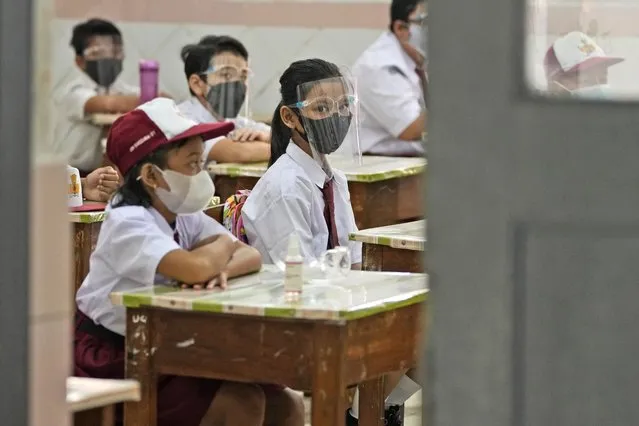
{"points": [[138, 133], [575, 51]]}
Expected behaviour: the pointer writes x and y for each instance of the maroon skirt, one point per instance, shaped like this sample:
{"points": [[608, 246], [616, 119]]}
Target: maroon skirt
{"points": [[99, 353]]}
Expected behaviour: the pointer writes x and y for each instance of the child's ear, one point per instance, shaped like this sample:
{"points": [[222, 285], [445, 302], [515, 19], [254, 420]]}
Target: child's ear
{"points": [[289, 118], [149, 175]]}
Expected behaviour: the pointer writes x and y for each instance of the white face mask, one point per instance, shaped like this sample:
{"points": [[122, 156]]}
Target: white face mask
{"points": [[188, 194], [601, 91], [418, 39]]}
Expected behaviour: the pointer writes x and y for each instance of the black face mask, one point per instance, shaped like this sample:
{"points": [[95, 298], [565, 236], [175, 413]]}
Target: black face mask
{"points": [[226, 99], [328, 133], [104, 71]]}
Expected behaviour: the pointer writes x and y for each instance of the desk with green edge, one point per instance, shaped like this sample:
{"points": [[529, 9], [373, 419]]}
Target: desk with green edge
{"points": [[340, 334], [384, 190], [397, 248]]}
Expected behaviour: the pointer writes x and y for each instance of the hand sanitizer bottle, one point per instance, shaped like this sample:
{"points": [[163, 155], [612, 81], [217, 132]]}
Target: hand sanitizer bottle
{"points": [[294, 266]]}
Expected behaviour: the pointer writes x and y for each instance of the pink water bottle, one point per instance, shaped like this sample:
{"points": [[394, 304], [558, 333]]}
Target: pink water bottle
{"points": [[149, 71]]}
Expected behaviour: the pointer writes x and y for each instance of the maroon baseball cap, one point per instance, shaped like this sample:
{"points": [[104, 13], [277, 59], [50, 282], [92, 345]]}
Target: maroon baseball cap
{"points": [[138, 133]]}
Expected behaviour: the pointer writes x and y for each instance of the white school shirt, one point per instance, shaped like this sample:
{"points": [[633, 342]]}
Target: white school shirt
{"points": [[131, 243], [75, 137], [390, 95], [194, 109], [288, 198]]}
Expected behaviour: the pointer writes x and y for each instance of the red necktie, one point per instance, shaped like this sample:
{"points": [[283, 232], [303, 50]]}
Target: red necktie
{"points": [[424, 81], [329, 214], [176, 236]]}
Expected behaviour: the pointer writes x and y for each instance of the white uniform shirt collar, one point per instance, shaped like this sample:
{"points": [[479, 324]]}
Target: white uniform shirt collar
{"points": [[198, 112], [315, 172]]}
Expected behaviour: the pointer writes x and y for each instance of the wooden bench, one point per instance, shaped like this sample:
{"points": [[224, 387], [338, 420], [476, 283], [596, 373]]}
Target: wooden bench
{"points": [[93, 400]]}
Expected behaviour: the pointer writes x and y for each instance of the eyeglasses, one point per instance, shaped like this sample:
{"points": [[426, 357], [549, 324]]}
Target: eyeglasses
{"points": [[228, 73], [106, 51], [419, 19], [324, 106]]}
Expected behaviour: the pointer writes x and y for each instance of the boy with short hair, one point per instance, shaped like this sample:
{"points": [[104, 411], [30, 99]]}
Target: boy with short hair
{"points": [[217, 74], [96, 88]]}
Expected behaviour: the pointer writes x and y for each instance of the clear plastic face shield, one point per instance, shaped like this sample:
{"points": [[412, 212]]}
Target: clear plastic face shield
{"points": [[103, 59], [330, 116], [228, 78]]}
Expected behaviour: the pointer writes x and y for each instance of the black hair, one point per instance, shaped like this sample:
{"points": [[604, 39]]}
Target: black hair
{"points": [[83, 32], [197, 59], [132, 191], [296, 74], [400, 10], [225, 43]]}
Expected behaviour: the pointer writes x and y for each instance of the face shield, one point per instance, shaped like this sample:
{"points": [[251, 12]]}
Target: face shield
{"points": [[103, 60], [329, 113], [228, 79]]}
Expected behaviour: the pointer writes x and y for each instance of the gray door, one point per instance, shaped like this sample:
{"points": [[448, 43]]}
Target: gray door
{"points": [[533, 237], [15, 118]]}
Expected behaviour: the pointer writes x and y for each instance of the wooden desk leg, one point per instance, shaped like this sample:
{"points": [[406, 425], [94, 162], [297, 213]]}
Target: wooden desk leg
{"points": [[371, 402], [139, 366], [100, 416], [329, 387]]}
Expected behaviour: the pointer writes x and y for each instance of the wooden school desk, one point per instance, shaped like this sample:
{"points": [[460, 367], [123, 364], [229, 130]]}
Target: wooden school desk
{"points": [[341, 334], [384, 190], [398, 248], [86, 227], [93, 400]]}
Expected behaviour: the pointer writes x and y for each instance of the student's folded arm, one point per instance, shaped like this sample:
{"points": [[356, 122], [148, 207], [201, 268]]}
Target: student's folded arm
{"points": [[199, 265], [110, 104], [228, 151], [415, 129], [139, 250], [390, 99], [245, 260]]}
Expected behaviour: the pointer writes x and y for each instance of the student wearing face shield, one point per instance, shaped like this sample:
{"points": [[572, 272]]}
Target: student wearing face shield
{"points": [[95, 88], [218, 75], [393, 84], [577, 66]]}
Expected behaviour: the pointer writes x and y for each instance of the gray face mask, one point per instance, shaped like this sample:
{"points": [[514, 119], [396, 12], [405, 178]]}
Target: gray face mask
{"points": [[419, 39]]}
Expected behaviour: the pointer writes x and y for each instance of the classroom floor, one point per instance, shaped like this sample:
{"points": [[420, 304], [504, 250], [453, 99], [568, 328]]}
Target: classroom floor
{"points": [[412, 411]]}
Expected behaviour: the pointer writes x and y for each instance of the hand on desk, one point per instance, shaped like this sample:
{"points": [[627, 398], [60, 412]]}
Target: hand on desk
{"points": [[249, 135], [100, 184], [218, 281]]}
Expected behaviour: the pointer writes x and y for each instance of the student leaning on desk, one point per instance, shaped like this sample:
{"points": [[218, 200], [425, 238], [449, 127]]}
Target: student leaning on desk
{"points": [[156, 232], [218, 77], [96, 88], [393, 84]]}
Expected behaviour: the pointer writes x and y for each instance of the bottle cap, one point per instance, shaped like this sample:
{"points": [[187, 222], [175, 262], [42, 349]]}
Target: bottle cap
{"points": [[294, 245], [149, 64]]}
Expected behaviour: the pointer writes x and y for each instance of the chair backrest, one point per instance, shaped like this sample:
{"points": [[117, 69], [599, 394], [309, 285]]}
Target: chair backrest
{"points": [[232, 214]]}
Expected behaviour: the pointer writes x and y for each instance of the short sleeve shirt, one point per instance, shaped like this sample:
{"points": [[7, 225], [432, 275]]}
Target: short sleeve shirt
{"points": [[391, 97], [194, 109], [132, 242], [288, 199], [75, 137]]}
